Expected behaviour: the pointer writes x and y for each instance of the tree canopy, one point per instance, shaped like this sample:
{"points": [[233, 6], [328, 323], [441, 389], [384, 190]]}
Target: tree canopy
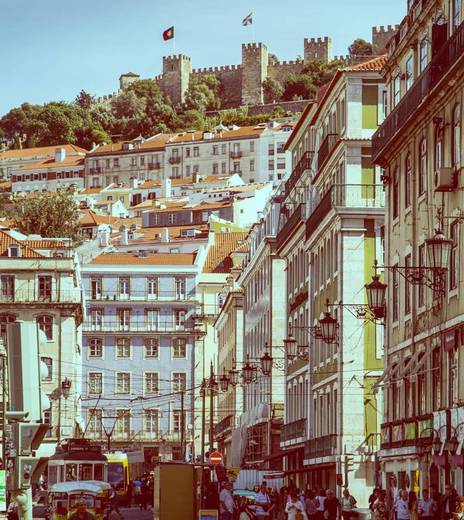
{"points": [[360, 48]]}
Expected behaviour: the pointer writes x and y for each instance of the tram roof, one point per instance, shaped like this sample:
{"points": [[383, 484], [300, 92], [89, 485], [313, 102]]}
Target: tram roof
{"points": [[81, 486]]}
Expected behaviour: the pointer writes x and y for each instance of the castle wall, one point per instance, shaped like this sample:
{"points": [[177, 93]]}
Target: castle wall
{"points": [[175, 78], [231, 79], [268, 108], [318, 49], [281, 70], [255, 58], [381, 36]]}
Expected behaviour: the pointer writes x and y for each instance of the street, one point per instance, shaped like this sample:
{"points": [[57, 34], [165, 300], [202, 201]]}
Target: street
{"points": [[134, 513]]}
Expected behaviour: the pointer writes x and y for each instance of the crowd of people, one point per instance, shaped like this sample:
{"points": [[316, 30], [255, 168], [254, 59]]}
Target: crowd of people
{"points": [[292, 504]]}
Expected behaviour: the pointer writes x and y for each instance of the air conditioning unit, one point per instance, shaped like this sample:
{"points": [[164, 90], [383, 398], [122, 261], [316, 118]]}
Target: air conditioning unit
{"points": [[445, 180]]}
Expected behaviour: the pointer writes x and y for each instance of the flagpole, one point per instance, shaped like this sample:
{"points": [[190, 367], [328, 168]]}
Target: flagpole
{"points": [[174, 46], [253, 27]]}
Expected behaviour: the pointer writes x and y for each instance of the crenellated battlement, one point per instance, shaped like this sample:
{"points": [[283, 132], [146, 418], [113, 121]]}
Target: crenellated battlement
{"points": [[289, 62], [222, 68], [176, 58], [382, 29], [325, 40], [252, 46]]}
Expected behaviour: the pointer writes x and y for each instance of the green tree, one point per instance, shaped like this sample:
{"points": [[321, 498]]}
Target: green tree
{"points": [[272, 59], [84, 99], [272, 89], [204, 93], [360, 48], [50, 214], [299, 86]]}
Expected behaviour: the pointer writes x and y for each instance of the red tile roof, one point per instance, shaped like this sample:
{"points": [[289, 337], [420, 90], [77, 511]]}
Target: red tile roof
{"points": [[218, 259], [150, 259], [42, 151], [156, 143], [26, 252], [67, 162], [376, 65]]}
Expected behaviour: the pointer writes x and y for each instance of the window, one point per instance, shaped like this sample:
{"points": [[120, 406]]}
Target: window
{"points": [[45, 324], [95, 346], [152, 318], [188, 169], [177, 421], [395, 194], [396, 90], [94, 421], [223, 167], [133, 161], [175, 172], [421, 390], [151, 347], [252, 146], [179, 284], [456, 14], [107, 163], [270, 164], [237, 167], [179, 317], [151, 385], [123, 422], [152, 287], [252, 165], [436, 379], [124, 288], [151, 421], [123, 348], [96, 288], [271, 149], [142, 161], [196, 168], [407, 286], [124, 318], [421, 287], [14, 251], [171, 218], [196, 151], [409, 72], [179, 381], [179, 348], [395, 288], [215, 168], [438, 147], [96, 319], [7, 288], [45, 287], [453, 262], [116, 163], [95, 381], [187, 152], [408, 181], [423, 55], [48, 361], [223, 148], [456, 144], [123, 380], [422, 166], [215, 149]]}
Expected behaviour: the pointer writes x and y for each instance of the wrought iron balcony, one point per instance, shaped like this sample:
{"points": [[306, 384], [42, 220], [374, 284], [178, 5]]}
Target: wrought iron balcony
{"points": [[302, 165], [140, 296], [223, 426], [345, 196], [175, 159], [293, 430], [451, 51], [139, 325], [33, 296], [236, 154], [292, 221], [154, 166], [321, 447], [412, 431], [328, 144]]}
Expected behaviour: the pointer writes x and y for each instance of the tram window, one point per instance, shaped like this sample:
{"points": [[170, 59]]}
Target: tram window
{"points": [[99, 472], [71, 472], [52, 475], [85, 472]]}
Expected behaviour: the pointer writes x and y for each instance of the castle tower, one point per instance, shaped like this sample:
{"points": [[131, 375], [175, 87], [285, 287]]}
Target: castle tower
{"points": [[381, 36], [176, 76], [126, 79], [318, 49], [254, 72]]}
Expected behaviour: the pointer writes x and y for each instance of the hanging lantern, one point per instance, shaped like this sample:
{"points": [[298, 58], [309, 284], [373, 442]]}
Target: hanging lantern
{"points": [[233, 376], [266, 364], [291, 347], [248, 372], [224, 383], [437, 444], [376, 291], [438, 251], [328, 326]]}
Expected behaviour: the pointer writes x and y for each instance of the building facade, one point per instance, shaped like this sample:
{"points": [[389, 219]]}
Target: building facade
{"points": [[139, 351], [419, 147]]}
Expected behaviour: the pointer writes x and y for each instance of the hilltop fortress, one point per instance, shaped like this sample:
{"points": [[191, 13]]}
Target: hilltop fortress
{"points": [[243, 84]]}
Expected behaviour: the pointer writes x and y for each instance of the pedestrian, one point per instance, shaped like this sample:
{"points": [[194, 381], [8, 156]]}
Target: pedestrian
{"points": [[320, 499], [263, 503], [428, 508], [392, 497], [143, 495], [294, 508], [114, 499], [459, 513], [449, 500], [402, 506], [373, 497], [129, 494], [114, 515], [413, 506], [379, 507], [226, 502], [331, 506], [348, 505], [81, 512], [311, 505], [137, 491]]}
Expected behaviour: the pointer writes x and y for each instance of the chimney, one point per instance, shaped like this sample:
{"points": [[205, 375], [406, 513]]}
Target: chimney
{"points": [[104, 237], [124, 236], [60, 154], [166, 189], [134, 182], [165, 235]]}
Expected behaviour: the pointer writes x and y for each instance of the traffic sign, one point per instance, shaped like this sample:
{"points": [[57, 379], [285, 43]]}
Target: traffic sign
{"points": [[215, 457]]}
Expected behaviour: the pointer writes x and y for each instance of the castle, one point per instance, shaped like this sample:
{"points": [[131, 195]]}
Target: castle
{"points": [[243, 84]]}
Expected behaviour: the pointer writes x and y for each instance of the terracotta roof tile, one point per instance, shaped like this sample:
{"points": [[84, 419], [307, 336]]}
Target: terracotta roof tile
{"points": [[218, 259], [26, 251], [90, 218], [45, 244], [240, 133], [50, 163], [150, 259], [375, 65], [42, 151], [155, 143]]}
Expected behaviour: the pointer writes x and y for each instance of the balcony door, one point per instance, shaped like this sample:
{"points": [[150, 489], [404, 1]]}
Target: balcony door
{"points": [[180, 288], [44, 283], [152, 319], [95, 288], [124, 316], [124, 288]]}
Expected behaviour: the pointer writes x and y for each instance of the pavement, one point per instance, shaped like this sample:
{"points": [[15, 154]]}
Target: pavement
{"points": [[128, 513]]}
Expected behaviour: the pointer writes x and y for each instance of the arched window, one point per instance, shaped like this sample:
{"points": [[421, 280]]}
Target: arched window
{"points": [[456, 144], [438, 147], [407, 181], [422, 166], [45, 324]]}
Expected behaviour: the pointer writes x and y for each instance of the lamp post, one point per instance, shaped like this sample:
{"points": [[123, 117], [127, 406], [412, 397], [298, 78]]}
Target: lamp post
{"points": [[329, 327], [376, 291]]}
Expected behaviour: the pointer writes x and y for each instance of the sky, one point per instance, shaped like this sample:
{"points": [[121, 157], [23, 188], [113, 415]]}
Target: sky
{"points": [[52, 49]]}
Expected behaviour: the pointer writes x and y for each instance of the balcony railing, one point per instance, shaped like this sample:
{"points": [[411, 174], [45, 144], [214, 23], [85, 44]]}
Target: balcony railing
{"points": [[236, 154], [223, 425], [154, 166], [447, 56], [285, 231], [175, 159], [31, 295], [321, 447], [302, 165], [345, 196], [293, 430], [328, 144], [413, 431], [139, 326], [142, 296]]}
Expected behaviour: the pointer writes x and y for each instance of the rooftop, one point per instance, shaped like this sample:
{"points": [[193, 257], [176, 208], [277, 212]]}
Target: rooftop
{"points": [[27, 251], [150, 259], [40, 152], [73, 160], [218, 259]]}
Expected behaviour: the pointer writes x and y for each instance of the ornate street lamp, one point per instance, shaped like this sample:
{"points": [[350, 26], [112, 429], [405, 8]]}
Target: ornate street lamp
{"points": [[376, 291], [438, 250], [248, 372], [437, 443], [233, 376], [224, 382], [328, 326], [66, 387], [266, 364], [291, 347]]}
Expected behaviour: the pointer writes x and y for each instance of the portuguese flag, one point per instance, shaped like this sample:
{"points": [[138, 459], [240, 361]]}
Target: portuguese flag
{"points": [[168, 34]]}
